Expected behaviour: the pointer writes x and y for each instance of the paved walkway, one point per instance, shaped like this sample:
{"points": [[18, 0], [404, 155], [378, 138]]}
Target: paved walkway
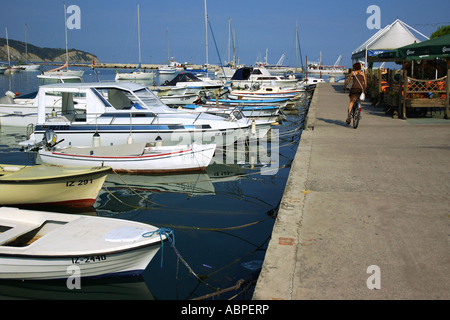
{"points": [[375, 196]]}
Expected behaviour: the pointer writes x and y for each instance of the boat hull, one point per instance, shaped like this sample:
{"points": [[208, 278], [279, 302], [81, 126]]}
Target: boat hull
{"points": [[116, 135], [135, 76], [76, 73], [157, 160], [76, 190], [40, 245], [127, 263]]}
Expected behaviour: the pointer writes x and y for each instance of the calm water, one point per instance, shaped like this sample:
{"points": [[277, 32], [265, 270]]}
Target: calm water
{"points": [[222, 219]]}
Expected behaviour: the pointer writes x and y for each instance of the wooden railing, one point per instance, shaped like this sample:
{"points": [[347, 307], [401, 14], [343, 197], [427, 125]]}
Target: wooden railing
{"points": [[425, 94], [417, 94]]}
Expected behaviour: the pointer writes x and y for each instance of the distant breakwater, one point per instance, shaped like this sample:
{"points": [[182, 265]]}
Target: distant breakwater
{"points": [[127, 65]]}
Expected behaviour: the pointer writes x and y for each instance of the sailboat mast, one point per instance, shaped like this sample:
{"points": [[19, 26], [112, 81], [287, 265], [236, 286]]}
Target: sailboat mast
{"points": [[139, 35], [168, 55], [7, 46], [26, 42], [229, 39], [65, 30], [206, 34]]}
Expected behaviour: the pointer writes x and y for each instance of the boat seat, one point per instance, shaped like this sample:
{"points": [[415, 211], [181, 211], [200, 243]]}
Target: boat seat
{"points": [[15, 232], [69, 117]]}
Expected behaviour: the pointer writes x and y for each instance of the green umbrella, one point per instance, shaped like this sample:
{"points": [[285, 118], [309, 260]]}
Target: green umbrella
{"points": [[426, 50]]}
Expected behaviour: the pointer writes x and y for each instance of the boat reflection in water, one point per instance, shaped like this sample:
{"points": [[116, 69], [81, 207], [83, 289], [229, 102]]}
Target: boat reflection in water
{"points": [[131, 288]]}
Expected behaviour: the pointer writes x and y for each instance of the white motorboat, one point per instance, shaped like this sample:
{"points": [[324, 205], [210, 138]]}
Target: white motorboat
{"points": [[20, 111], [167, 69], [280, 102], [50, 185], [39, 245], [3, 69], [181, 99], [319, 69], [247, 77], [50, 79], [134, 157], [269, 113], [117, 112], [136, 74], [266, 92], [31, 67], [312, 81], [193, 84]]}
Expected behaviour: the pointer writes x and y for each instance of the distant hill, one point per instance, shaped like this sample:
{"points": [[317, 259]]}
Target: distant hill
{"points": [[37, 54]]}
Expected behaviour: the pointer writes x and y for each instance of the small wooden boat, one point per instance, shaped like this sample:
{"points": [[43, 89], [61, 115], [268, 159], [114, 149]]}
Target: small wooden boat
{"points": [[39, 245], [135, 157], [50, 185]]}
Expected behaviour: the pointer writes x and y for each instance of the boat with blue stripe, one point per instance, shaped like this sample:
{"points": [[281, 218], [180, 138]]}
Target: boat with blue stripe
{"points": [[127, 112]]}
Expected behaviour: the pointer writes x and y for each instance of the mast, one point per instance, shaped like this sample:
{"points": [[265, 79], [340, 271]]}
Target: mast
{"points": [[7, 46], [234, 46], [168, 55], [229, 39], [206, 35], [297, 41], [65, 30], [139, 35], [26, 43]]}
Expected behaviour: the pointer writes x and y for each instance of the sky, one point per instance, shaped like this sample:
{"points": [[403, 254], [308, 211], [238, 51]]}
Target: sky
{"points": [[109, 29]]}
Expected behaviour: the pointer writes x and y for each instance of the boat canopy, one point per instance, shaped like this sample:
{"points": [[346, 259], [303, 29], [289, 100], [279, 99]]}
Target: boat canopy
{"points": [[182, 77], [101, 98], [242, 73]]}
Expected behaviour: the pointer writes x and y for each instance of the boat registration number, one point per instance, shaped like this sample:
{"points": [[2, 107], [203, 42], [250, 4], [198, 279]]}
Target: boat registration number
{"points": [[89, 259], [73, 183]]}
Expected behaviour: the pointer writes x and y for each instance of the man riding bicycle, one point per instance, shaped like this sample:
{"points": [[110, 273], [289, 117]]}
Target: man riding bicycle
{"points": [[358, 86]]}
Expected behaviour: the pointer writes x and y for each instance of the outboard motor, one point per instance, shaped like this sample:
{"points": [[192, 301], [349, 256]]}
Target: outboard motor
{"points": [[47, 142], [8, 98]]}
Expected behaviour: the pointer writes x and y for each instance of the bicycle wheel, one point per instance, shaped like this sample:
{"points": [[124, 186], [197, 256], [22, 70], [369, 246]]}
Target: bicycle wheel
{"points": [[355, 114]]}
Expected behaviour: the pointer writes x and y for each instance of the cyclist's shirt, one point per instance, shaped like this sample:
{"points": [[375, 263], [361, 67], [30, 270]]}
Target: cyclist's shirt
{"points": [[358, 85]]}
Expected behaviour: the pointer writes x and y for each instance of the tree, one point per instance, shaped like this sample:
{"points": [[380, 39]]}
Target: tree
{"points": [[442, 30]]}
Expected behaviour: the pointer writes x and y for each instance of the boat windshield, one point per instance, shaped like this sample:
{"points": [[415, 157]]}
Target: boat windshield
{"points": [[148, 98]]}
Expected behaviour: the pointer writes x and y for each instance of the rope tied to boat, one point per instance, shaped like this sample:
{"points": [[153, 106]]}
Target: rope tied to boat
{"points": [[171, 237], [168, 233]]}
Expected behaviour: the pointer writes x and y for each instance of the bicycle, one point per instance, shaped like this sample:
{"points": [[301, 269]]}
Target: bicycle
{"points": [[355, 114]]}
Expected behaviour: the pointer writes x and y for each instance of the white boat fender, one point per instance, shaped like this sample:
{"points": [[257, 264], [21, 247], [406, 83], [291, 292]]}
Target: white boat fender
{"points": [[253, 127], [96, 141], [158, 141]]}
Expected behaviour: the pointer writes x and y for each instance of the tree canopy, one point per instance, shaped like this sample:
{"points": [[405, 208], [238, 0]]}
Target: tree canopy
{"points": [[442, 30]]}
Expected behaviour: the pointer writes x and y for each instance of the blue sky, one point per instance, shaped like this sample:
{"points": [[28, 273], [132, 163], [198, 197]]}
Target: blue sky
{"points": [[109, 28]]}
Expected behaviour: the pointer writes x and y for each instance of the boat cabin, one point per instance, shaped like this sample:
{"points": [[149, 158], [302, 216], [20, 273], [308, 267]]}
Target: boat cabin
{"points": [[102, 99]]}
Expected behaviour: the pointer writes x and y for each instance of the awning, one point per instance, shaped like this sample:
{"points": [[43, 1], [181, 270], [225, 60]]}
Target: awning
{"points": [[426, 50]]}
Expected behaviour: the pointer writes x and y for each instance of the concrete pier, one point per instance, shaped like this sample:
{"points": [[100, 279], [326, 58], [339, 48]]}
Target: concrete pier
{"points": [[366, 212]]}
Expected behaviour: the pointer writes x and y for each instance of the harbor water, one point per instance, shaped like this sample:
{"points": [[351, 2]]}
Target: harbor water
{"points": [[222, 218]]}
